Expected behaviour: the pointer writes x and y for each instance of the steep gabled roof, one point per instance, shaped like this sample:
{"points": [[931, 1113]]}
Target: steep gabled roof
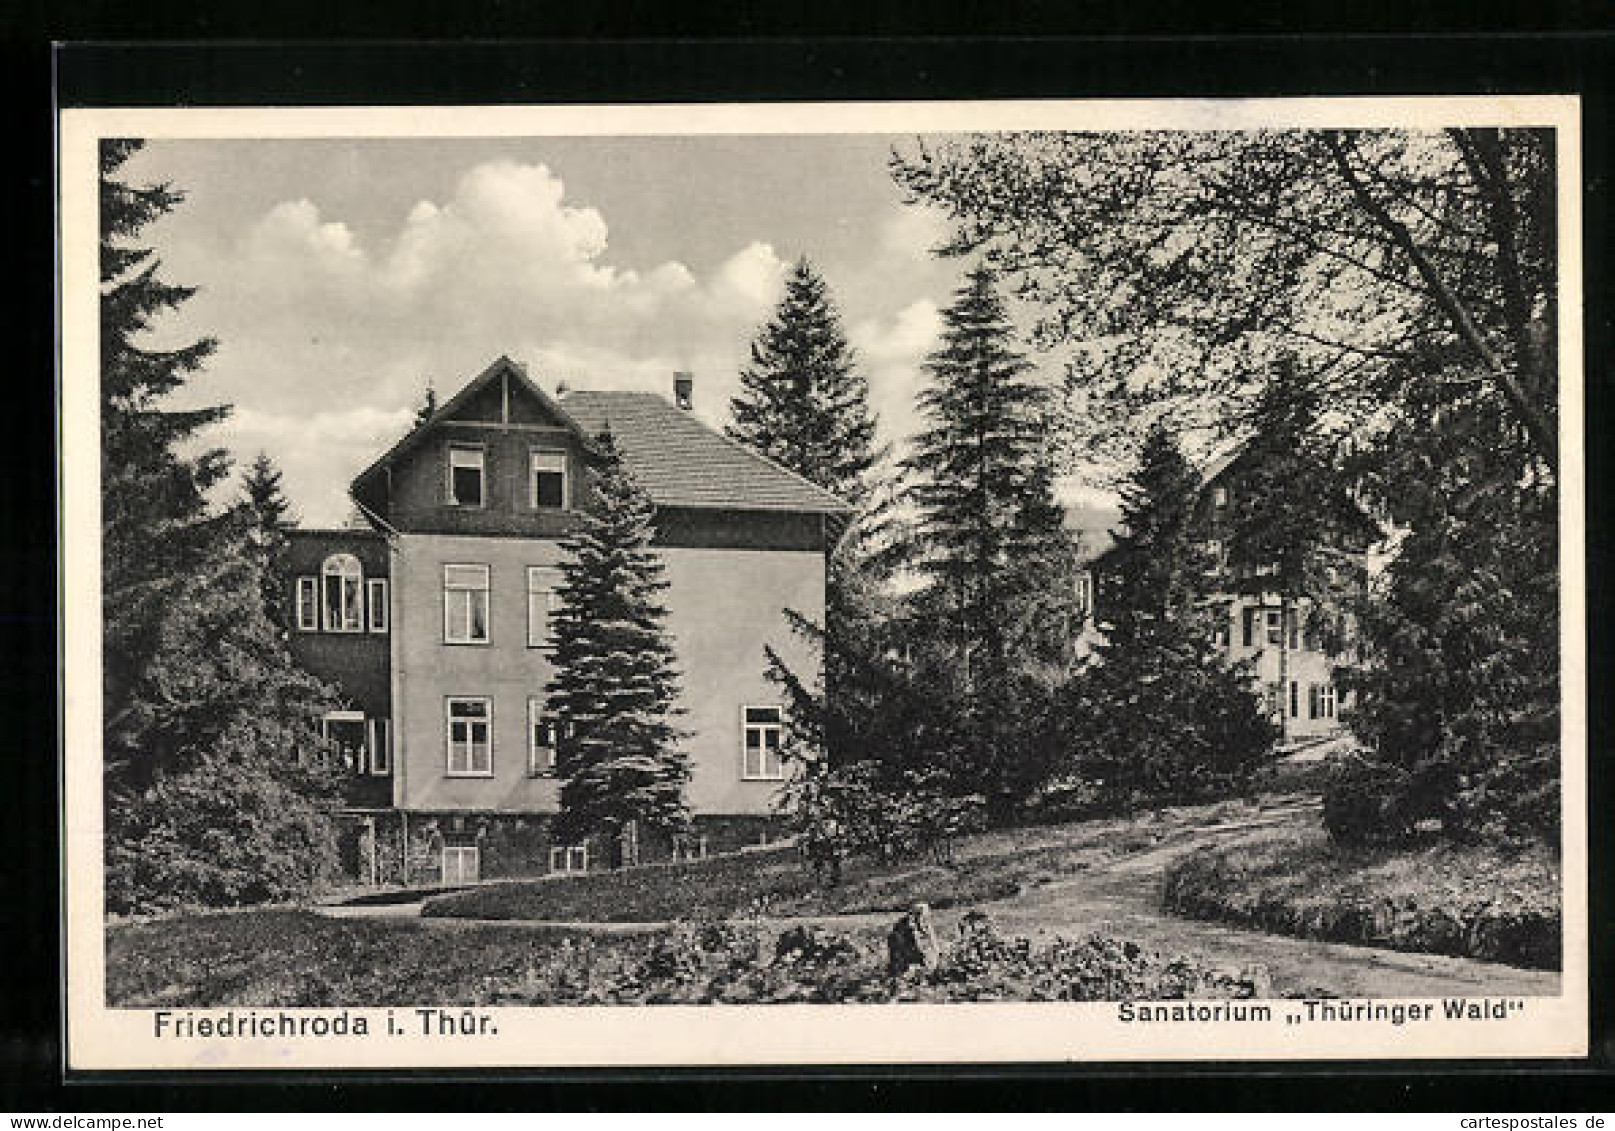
{"points": [[502, 367], [681, 462]]}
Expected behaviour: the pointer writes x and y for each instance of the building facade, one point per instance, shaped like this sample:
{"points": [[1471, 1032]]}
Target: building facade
{"points": [[433, 622]]}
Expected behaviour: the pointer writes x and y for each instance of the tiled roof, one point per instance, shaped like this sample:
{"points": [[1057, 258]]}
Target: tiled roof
{"points": [[683, 463]]}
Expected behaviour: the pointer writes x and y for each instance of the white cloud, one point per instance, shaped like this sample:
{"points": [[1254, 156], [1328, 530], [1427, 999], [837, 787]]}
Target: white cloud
{"points": [[892, 352], [915, 231], [313, 321]]}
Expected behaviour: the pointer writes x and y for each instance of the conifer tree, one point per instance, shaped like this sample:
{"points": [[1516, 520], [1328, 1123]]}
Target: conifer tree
{"points": [[1290, 516], [616, 686], [211, 753], [988, 538], [269, 515], [428, 406], [1161, 714], [802, 401]]}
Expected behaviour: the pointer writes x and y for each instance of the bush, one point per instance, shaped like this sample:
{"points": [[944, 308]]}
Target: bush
{"points": [[223, 834], [884, 813], [1368, 802], [1472, 901]]}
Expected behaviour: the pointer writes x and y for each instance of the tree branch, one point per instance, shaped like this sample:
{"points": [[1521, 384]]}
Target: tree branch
{"points": [[1536, 425]]}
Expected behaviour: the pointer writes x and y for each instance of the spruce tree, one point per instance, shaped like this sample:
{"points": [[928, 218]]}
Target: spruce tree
{"points": [[1160, 714], [427, 407], [616, 686], [802, 401], [269, 515], [988, 539], [155, 523], [1291, 516], [205, 712]]}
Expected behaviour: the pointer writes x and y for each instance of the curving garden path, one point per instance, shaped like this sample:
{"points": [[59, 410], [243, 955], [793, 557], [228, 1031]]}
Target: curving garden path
{"points": [[1121, 897]]}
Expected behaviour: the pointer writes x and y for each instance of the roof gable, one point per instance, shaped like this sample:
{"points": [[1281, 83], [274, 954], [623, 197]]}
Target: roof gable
{"points": [[501, 393]]}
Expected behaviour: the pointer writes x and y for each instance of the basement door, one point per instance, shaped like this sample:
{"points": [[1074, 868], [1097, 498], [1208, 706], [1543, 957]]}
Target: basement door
{"points": [[460, 864]]}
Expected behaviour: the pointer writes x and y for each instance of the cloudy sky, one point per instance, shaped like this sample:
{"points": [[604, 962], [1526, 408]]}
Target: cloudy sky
{"points": [[341, 276]]}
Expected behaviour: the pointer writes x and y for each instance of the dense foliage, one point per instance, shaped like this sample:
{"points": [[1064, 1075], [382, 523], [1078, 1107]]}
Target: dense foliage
{"points": [[302, 959], [616, 686], [802, 401], [270, 515], [205, 714]]}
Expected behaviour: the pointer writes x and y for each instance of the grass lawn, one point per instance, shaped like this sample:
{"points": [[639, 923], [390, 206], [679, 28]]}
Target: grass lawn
{"points": [[1437, 898], [987, 867]]}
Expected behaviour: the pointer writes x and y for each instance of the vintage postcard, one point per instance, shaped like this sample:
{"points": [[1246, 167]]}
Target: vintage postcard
{"points": [[823, 584]]}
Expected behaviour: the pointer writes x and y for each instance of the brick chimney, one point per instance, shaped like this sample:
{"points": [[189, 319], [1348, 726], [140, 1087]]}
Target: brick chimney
{"points": [[684, 390]]}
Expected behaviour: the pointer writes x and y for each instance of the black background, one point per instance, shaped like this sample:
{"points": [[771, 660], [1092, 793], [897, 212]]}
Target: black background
{"points": [[721, 54]]}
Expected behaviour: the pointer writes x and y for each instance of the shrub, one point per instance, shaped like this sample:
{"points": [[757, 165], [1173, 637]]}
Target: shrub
{"points": [[1368, 802], [887, 814], [223, 834]]}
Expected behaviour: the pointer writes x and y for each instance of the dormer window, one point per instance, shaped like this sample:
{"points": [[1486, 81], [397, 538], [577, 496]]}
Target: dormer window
{"points": [[548, 479], [465, 476]]}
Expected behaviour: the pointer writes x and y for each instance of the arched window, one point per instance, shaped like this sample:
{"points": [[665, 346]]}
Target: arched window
{"points": [[343, 583]]}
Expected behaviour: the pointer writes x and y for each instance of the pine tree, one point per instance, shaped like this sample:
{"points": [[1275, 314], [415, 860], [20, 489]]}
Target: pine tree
{"points": [[428, 406], [988, 538], [1156, 573], [201, 697], [802, 402], [155, 524], [616, 686], [1290, 515], [1161, 714], [269, 514]]}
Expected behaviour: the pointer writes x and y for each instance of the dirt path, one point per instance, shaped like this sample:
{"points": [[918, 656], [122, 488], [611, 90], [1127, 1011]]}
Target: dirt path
{"points": [[1121, 897]]}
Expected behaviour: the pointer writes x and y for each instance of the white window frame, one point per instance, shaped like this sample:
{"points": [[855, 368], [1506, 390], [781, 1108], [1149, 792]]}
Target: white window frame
{"points": [[1326, 701], [569, 858], [469, 746], [456, 449], [308, 603], [538, 456], [461, 853], [450, 593], [376, 603], [552, 602], [746, 727], [535, 716], [335, 568], [379, 746], [345, 717]]}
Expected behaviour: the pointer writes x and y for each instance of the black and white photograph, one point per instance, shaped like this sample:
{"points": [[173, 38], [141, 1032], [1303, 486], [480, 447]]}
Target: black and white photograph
{"points": [[821, 584]]}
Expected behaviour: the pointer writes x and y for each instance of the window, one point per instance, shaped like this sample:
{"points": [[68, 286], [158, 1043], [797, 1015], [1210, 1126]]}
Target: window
{"points": [[1295, 699], [688, 846], [1275, 627], [465, 476], [308, 604], [470, 738], [1293, 616], [1248, 629], [542, 601], [380, 740], [1214, 551], [344, 594], [1219, 496], [569, 858], [1321, 700], [460, 864], [1084, 594], [465, 604], [345, 730], [548, 477], [378, 604], [540, 740], [761, 756]]}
